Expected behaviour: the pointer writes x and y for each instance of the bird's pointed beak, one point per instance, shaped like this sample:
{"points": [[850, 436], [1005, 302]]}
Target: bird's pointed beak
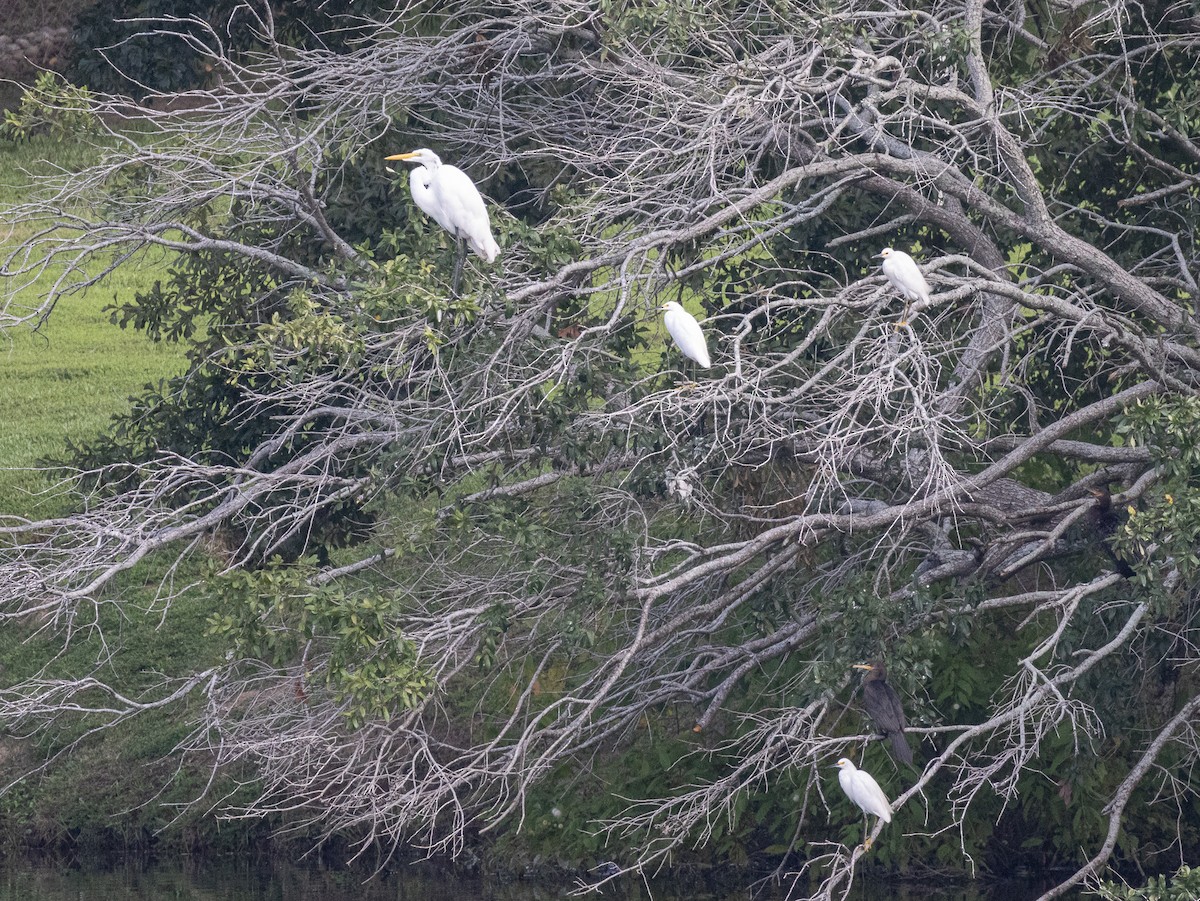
{"points": [[865, 666], [400, 156]]}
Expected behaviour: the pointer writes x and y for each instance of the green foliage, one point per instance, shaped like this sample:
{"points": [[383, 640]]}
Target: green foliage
{"points": [[107, 47], [115, 55], [244, 336], [348, 642], [564, 813], [1163, 528], [121, 787], [1183, 886], [20, 18], [671, 28], [52, 107]]}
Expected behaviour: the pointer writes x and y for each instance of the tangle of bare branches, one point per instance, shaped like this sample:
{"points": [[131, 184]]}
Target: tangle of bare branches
{"points": [[837, 485]]}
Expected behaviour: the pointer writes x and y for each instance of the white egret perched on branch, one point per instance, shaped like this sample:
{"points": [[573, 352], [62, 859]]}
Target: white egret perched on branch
{"points": [[904, 274], [861, 788], [448, 195], [686, 332]]}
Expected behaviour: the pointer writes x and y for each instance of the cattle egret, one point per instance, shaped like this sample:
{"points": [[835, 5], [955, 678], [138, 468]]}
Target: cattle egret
{"points": [[904, 274], [686, 332], [861, 788], [883, 706], [449, 196]]}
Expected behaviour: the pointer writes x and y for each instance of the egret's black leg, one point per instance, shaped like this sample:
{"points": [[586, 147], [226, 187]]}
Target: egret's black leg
{"points": [[459, 258]]}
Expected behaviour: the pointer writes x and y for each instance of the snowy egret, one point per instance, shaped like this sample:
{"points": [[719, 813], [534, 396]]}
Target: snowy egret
{"points": [[904, 274], [884, 707], [861, 788], [686, 332], [449, 196]]}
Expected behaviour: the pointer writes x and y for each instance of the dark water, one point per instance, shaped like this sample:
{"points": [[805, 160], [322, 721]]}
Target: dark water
{"points": [[24, 880], [175, 880]]}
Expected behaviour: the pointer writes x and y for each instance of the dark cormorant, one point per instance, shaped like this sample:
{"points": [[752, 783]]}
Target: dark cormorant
{"points": [[884, 707]]}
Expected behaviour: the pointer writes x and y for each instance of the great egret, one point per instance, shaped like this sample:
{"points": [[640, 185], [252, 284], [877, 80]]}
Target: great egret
{"points": [[884, 707], [686, 333], [904, 274], [861, 788], [448, 195]]}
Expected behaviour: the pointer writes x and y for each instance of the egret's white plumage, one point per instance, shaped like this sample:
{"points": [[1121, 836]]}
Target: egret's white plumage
{"points": [[453, 201], [686, 333], [904, 274], [422, 194], [861, 788]]}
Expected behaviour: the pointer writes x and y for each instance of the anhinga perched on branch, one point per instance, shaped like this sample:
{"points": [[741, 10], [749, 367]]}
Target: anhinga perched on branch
{"points": [[1105, 521], [884, 707]]}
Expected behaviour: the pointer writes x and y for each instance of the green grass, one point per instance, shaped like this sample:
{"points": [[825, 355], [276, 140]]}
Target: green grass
{"points": [[67, 379], [119, 787]]}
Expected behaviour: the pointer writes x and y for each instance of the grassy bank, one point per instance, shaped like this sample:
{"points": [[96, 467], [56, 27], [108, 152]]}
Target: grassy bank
{"points": [[66, 379], [60, 382], [121, 787]]}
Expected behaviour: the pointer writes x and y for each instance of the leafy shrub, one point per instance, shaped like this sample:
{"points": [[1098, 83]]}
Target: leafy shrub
{"points": [[113, 59], [1183, 886], [115, 55], [52, 107]]}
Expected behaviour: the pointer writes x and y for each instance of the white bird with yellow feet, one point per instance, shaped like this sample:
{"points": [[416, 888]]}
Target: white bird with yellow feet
{"points": [[861, 788]]}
